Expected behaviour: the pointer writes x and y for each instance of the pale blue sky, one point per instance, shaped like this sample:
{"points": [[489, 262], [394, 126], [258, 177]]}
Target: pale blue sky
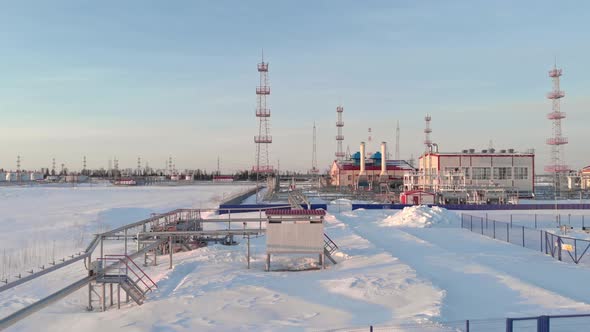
{"points": [[160, 78]]}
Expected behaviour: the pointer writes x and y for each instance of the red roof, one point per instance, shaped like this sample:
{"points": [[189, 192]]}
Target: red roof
{"points": [[370, 168], [295, 212], [411, 192]]}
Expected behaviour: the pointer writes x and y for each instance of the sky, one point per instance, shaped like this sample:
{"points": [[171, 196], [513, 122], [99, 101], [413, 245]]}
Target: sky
{"points": [[154, 79]]}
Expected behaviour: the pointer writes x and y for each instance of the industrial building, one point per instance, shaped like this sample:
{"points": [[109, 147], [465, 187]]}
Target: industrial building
{"points": [[469, 176], [579, 180], [359, 171]]}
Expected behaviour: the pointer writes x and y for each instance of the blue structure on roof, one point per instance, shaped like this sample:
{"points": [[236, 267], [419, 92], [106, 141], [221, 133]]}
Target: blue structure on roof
{"points": [[356, 157], [377, 157]]}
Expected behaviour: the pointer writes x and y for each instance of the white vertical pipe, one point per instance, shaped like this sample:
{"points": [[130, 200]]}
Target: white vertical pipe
{"points": [[383, 159], [362, 153]]}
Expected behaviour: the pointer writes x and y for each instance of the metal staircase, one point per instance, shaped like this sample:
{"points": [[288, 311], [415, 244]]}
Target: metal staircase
{"points": [[329, 248], [127, 274]]}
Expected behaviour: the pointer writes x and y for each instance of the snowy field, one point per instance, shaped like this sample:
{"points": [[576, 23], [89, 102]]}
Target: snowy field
{"points": [[45, 223], [408, 269]]}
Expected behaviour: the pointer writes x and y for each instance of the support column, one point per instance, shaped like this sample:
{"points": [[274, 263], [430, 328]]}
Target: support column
{"points": [[104, 297], [170, 250], [89, 308], [118, 296], [248, 251], [111, 290]]}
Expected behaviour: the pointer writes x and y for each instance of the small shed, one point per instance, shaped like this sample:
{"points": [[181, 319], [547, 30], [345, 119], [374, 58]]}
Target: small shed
{"points": [[417, 197], [295, 232]]}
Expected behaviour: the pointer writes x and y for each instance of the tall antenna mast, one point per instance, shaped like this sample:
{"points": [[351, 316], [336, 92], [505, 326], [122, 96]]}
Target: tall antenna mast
{"points": [[339, 137], [218, 168], [84, 164], [18, 164], [314, 160], [397, 141], [263, 139], [557, 163]]}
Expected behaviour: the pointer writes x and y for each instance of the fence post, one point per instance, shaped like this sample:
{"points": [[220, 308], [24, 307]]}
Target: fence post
{"points": [[494, 224], [544, 324], [558, 248], [523, 236], [535, 221], [481, 226], [507, 234], [462, 217], [541, 239], [511, 220], [471, 224], [509, 325], [467, 325], [576, 250], [583, 222], [371, 328]]}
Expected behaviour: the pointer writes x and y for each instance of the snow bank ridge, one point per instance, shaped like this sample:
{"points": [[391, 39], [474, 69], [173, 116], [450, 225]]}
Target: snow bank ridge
{"points": [[420, 216]]}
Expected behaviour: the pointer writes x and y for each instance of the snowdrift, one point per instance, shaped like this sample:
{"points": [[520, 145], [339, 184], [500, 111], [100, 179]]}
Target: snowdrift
{"points": [[420, 216]]}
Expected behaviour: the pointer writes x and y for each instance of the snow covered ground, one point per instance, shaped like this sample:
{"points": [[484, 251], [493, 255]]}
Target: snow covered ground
{"points": [[45, 223], [407, 268]]}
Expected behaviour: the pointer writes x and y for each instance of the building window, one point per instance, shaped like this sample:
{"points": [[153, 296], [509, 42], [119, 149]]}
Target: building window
{"points": [[452, 170], [481, 173], [521, 173], [502, 173], [466, 171]]}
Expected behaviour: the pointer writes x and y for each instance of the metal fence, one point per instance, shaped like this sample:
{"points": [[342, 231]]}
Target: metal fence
{"points": [[542, 220], [555, 323], [562, 247], [479, 207]]}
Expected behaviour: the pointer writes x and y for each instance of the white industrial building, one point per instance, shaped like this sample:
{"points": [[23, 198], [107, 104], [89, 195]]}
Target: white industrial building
{"points": [[491, 173], [579, 180], [23, 176]]}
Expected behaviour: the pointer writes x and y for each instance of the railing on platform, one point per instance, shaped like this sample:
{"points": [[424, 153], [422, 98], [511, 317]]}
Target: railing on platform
{"points": [[121, 233]]}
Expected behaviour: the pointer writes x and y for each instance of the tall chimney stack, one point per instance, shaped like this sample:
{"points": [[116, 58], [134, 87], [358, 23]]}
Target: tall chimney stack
{"points": [[362, 153], [383, 159]]}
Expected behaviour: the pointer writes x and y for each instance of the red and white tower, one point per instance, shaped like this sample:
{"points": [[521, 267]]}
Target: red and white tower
{"points": [[339, 136], [427, 131], [263, 139], [557, 163]]}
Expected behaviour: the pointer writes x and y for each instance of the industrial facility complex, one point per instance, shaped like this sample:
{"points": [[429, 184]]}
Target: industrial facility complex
{"points": [[469, 176]]}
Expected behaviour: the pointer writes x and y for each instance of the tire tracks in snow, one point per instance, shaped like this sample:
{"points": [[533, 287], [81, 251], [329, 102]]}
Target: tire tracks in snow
{"points": [[473, 289]]}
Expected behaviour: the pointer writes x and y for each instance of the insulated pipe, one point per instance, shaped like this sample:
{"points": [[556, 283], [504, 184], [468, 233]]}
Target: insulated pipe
{"points": [[383, 159], [362, 153]]}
